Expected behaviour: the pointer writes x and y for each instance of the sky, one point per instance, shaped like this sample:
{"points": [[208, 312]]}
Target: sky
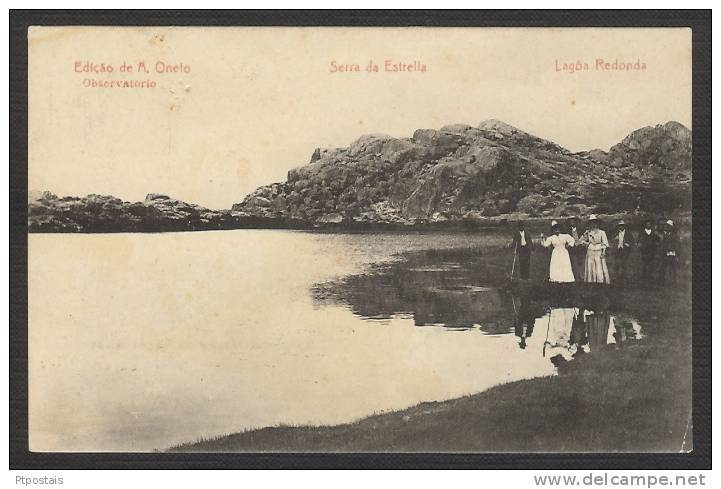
{"points": [[235, 108]]}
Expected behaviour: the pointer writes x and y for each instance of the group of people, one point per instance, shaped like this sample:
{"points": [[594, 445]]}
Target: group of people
{"points": [[582, 255]]}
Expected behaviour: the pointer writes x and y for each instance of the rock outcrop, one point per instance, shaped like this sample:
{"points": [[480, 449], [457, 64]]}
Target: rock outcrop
{"points": [[492, 171], [666, 146]]}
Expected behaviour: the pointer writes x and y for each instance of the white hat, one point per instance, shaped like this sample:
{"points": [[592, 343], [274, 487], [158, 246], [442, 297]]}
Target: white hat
{"points": [[553, 223], [669, 222], [593, 217]]}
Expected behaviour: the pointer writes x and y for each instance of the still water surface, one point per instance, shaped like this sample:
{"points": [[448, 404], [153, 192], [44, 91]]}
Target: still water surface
{"points": [[142, 341]]}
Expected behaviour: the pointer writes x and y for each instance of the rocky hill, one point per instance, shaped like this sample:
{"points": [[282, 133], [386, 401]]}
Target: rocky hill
{"points": [[456, 174], [465, 173]]}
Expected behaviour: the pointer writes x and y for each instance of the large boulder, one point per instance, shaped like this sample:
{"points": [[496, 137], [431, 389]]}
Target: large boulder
{"points": [[152, 197], [667, 146], [500, 128], [437, 143]]}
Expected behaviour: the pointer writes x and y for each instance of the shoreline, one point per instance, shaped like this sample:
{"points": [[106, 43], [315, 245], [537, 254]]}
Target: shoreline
{"points": [[629, 398], [450, 226]]}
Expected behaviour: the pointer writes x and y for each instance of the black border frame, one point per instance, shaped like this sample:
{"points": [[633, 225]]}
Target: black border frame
{"points": [[698, 20]]}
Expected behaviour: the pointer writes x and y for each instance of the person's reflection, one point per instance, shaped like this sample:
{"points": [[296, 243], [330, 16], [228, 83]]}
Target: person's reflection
{"points": [[593, 326], [574, 331], [600, 330], [625, 329], [579, 332], [558, 346], [619, 330], [596, 329], [524, 321]]}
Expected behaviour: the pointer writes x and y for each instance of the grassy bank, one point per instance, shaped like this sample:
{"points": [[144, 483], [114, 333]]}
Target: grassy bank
{"points": [[632, 397]]}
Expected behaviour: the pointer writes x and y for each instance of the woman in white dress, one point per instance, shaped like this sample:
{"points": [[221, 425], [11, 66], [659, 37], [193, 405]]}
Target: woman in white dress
{"points": [[561, 271]]}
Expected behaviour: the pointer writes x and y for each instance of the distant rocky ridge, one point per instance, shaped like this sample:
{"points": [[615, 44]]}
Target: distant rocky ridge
{"points": [[457, 174], [104, 213]]}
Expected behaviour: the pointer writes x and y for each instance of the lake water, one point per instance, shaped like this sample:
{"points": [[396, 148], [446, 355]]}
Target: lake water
{"points": [[142, 341]]}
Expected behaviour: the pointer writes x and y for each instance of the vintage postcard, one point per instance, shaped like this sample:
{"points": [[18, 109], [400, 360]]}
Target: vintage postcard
{"points": [[359, 239]]}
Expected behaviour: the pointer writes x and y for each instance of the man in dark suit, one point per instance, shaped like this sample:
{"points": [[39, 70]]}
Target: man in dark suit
{"points": [[577, 253], [522, 247], [621, 244], [648, 246], [669, 247]]}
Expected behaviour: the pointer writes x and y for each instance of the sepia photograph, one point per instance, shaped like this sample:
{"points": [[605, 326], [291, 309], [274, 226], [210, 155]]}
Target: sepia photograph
{"points": [[359, 239]]}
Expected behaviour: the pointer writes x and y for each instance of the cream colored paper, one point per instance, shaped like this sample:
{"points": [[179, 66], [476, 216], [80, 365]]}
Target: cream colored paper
{"points": [[234, 109]]}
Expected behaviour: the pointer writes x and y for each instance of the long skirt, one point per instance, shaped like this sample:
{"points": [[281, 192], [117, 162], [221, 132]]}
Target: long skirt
{"points": [[560, 270], [596, 269]]}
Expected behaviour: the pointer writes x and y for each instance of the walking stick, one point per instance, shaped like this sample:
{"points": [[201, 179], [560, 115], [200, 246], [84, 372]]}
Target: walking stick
{"points": [[513, 266], [548, 327]]}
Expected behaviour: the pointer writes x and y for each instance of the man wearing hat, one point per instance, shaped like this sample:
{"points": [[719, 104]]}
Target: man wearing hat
{"points": [[522, 248], [578, 253], [668, 244], [621, 243], [648, 246]]}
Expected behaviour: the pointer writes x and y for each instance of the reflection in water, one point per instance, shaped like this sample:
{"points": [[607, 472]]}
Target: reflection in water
{"points": [[235, 342], [430, 289], [572, 331], [434, 290], [181, 335], [558, 343], [525, 319]]}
